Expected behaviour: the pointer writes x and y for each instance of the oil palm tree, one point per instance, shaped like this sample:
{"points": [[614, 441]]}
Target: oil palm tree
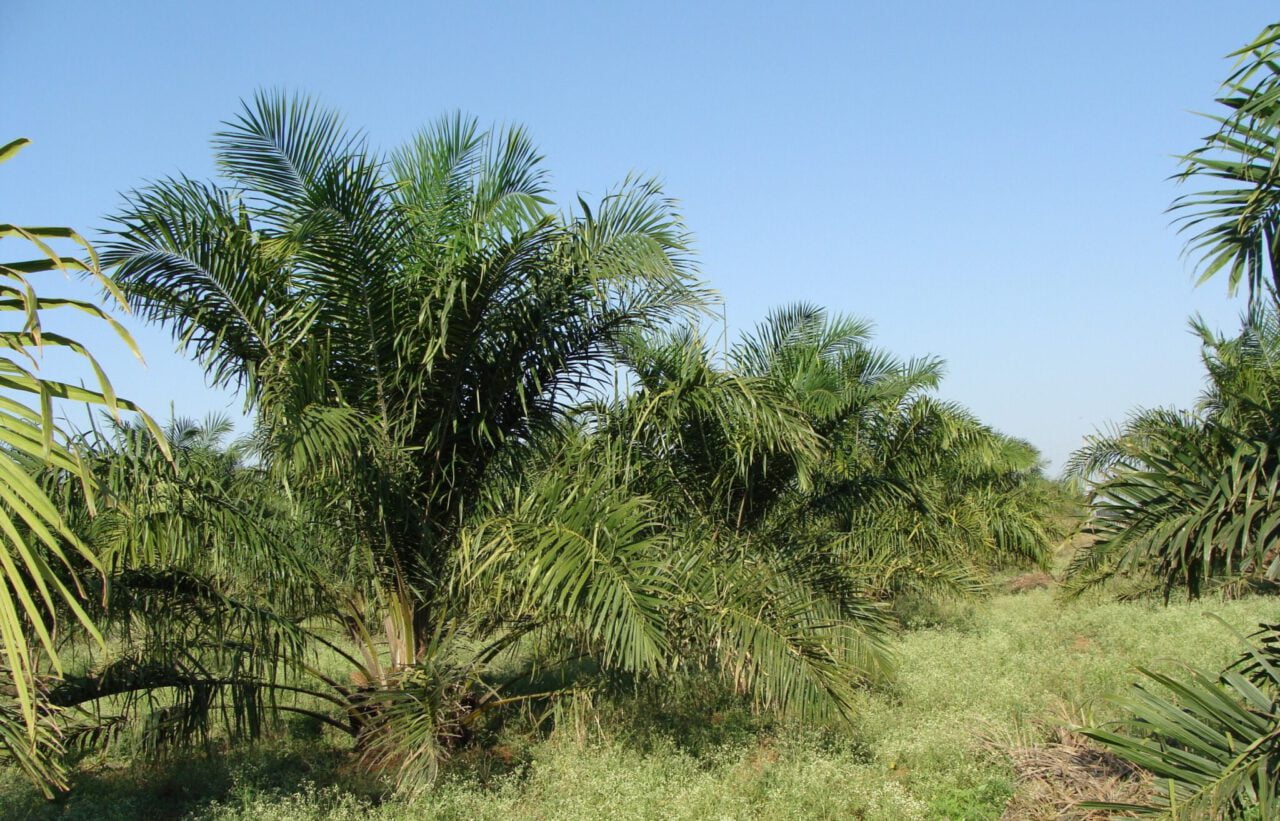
{"points": [[903, 475], [1188, 499], [396, 325]]}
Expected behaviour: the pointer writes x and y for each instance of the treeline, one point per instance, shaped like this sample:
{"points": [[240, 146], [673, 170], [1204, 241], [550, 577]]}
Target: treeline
{"points": [[1189, 501]]}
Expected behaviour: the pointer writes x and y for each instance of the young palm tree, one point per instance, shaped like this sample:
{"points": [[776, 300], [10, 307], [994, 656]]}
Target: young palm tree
{"points": [[898, 468], [396, 326], [1190, 499]]}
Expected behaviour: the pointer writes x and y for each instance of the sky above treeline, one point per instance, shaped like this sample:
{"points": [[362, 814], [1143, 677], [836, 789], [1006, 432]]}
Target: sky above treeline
{"points": [[986, 181]]}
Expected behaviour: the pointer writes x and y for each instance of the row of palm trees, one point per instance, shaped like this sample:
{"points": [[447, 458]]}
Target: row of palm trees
{"points": [[493, 447], [1190, 500]]}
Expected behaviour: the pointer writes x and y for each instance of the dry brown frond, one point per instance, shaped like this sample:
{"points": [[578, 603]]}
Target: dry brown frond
{"points": [[1065, 770]]}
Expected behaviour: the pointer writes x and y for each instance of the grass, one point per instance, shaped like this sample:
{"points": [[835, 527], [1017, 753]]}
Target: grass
{"points": [[983, 678]]}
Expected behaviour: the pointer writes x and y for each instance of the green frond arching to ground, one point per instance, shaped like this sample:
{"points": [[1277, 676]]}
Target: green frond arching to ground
{"points": [[36, 598], [1211, 742]]}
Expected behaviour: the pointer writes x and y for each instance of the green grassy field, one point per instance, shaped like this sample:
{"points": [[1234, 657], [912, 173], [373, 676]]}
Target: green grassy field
{"points": [[983, 680]]}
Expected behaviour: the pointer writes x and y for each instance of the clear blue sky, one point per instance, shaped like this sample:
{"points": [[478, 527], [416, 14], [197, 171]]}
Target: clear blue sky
{"points": [[985, 180]]}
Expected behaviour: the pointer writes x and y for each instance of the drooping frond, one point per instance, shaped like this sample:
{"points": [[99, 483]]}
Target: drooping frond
{"points": [[580, 552], [1211, 741], [1232, 226], [37, 547]]}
